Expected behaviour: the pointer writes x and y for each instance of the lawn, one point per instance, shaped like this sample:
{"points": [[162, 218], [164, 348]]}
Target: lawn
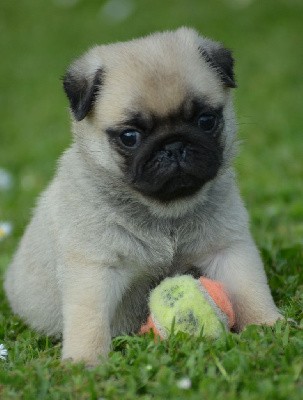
{"points": [[38, 39]]}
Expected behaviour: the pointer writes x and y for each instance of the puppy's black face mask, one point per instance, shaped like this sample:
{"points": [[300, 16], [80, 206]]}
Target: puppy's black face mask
{"points": [[170, 157]]}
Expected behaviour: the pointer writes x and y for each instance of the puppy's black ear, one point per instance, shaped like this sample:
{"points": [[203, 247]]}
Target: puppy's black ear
{"points": [[82, 90], [220, 59]]}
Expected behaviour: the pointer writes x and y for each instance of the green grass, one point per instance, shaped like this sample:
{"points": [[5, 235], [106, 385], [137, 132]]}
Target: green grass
{"points": [[38, 39]]}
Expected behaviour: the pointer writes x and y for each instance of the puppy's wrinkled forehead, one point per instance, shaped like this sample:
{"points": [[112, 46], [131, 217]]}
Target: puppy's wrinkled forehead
{"points": [[156, 77], [155, 74]]}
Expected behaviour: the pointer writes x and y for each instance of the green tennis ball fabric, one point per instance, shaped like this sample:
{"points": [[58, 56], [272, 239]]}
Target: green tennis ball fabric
{"points": [[185, 301]]}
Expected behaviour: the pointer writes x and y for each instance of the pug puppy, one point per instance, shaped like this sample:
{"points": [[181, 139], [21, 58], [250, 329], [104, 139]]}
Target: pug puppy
{"points": [[146, 190]]}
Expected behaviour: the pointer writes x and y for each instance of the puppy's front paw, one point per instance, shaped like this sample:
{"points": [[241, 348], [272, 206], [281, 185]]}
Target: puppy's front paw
{"points": [[90, 360], [271, 321], [89, 355], [268, 321]]}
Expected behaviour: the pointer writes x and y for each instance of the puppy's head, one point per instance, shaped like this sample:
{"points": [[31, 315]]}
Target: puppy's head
{"points": [[155, 112]]}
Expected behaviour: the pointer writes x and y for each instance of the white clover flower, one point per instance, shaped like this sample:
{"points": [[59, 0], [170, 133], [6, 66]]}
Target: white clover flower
{"points": [[3, 352], [5, 229], [184, 383]]}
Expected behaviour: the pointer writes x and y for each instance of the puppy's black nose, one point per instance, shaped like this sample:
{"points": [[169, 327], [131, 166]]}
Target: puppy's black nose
{"points": [[174, 147], [174, 150]]}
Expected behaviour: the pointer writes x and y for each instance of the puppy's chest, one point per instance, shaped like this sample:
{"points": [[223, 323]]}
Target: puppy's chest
{"points": [[160, 249]]}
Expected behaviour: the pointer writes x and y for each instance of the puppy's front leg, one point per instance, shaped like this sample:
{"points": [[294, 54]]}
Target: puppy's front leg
{"points": [[241, 270], [90, 297]]}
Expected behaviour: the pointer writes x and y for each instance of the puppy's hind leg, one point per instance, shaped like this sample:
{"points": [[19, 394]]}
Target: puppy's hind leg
{"points": [[32, 290]]}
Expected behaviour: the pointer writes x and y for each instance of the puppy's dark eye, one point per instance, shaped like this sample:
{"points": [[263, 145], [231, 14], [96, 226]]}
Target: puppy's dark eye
{"points": [[130, 138], [207, 122]]}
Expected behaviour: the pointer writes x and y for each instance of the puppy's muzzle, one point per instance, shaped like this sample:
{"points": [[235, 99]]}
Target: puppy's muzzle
{"points": [[176, 167]]}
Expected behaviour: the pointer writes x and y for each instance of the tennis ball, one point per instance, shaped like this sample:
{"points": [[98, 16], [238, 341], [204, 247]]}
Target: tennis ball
{"points": [[192, 305]]}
